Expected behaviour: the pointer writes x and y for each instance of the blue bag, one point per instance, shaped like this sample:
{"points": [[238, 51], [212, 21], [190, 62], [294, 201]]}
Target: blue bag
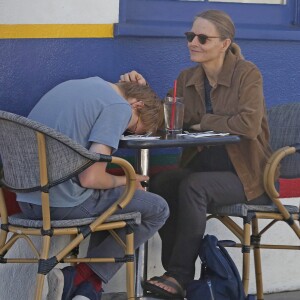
{"points": [[220, 278]]}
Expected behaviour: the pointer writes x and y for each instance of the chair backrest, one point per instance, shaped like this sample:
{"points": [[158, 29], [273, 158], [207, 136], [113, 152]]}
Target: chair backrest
{"points": [[20, 158], [284, 122]]}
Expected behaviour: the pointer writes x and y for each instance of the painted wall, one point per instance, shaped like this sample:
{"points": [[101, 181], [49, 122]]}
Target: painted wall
{"points": [[29, 67]]}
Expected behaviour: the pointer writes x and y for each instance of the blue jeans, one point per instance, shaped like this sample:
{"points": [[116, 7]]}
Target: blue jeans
{"points": [[153, 208]]}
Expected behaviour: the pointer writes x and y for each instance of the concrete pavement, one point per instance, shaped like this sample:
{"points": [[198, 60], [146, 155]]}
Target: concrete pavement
{"points": [[277, 296]]}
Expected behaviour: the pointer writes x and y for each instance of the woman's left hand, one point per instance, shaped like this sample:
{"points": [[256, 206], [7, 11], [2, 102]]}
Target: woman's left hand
{"points": [[196, 127]]}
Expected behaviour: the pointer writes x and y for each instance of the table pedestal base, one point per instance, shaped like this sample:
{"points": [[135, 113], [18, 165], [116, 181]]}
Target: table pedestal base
{"points": [[142, 167]]}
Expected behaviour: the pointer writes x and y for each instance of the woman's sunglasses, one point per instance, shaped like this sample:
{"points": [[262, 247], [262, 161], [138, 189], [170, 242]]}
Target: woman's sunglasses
{"points": [[202, 38]]}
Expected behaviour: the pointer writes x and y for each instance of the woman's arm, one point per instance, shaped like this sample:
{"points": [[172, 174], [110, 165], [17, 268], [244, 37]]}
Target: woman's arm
{"points": [[251, 109]]}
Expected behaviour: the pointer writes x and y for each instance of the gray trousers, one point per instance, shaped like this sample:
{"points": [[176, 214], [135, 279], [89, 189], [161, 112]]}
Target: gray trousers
{"points": [[153, 208], [189, 193]]}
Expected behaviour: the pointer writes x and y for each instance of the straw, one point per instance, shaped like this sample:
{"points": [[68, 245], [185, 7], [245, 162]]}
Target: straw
{"points": [[173, 105]]}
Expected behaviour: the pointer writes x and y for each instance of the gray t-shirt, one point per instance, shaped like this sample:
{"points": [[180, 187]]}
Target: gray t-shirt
{"points": [[87, 110]]}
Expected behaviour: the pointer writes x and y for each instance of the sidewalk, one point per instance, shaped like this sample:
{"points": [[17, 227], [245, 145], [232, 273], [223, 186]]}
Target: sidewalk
{"points": [[278, 296], [284, 296]]}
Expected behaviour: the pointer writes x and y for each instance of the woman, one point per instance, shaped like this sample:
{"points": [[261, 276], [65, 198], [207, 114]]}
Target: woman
{"points": [[224, 93]]}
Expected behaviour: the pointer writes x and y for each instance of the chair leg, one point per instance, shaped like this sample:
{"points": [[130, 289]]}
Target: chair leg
{"points": [[75, 251], [257, 260], [39, 286], [41, 277], [3, 233], [130, 264], [246, 256]]}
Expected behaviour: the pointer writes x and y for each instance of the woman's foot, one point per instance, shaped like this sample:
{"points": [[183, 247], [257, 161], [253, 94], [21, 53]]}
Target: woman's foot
{"points": [[164, 286]]}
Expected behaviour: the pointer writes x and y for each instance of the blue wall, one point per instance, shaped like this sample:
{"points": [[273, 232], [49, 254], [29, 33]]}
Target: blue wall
{"points": [[30, 67]]}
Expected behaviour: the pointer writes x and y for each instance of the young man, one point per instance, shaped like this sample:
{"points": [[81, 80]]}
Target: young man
{"points": [[95, 113]]}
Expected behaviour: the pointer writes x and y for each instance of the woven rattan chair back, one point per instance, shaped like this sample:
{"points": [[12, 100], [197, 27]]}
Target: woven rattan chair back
{"points": [[284, 126], [285, 142], [20, 157], [36, 158]]}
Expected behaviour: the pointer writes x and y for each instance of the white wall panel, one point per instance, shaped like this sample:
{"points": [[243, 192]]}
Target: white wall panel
{"points": [[59, 11]]}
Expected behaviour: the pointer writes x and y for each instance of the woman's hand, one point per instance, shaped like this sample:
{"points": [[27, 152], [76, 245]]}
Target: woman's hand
{"points": [[133, 76], [196, 127]]}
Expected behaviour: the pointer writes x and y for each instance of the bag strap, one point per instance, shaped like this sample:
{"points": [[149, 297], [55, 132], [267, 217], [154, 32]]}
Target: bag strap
{"points": [[232, 265]]}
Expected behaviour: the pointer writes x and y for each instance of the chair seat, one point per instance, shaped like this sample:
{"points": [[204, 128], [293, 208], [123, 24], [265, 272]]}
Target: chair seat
{"points": [[21, 220], [242, 210]]}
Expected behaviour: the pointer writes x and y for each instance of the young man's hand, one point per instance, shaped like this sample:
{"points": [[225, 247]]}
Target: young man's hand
{"points": [[139, 180]]}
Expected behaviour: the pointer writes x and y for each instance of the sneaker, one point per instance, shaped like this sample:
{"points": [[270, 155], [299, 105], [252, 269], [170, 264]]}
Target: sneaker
{"points": [[86, 291], [61, 283]]}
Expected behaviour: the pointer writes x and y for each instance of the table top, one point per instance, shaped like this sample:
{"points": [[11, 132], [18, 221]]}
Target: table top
{"points": [[167, 141]]}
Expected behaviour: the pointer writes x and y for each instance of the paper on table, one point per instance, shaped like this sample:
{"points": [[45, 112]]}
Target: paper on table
{"points": [[139, 137], [203, 134]]}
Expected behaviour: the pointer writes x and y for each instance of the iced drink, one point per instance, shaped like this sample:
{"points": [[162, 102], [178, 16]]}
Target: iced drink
{"points": [[173, 111]]}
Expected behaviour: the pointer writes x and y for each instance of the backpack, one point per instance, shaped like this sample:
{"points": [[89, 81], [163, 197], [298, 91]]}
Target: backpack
{"points": [[220, 279]]}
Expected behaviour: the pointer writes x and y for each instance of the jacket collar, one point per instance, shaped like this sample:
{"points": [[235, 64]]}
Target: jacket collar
{"points": [[225, 75]]}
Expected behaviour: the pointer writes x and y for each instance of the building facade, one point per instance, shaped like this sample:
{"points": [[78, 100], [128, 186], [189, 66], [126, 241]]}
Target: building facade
{"points": [[43, 43]]}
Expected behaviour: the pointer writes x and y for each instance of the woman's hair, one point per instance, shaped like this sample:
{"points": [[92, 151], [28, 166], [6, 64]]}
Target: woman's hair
{"points": [[151, 114], [224, 26]]}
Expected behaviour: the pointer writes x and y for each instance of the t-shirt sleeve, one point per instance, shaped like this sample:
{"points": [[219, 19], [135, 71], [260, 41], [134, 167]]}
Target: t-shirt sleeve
{"points": [[110, 125]]}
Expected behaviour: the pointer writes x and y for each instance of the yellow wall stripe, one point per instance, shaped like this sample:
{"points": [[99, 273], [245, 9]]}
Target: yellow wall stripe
{"points": [[26, 31]]}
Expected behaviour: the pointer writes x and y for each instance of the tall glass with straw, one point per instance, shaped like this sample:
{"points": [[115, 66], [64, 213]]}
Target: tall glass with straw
{"points": [[173, 112]]}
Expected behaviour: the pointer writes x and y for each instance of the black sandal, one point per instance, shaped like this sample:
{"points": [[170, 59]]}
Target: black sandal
{"points": [[158, 291]]}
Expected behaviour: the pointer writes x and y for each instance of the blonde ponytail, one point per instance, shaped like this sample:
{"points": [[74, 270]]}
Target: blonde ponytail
{"points": [[236, 50]]}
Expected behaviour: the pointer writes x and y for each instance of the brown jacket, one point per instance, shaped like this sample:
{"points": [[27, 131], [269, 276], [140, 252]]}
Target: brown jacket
{"points": [[239, 108]]}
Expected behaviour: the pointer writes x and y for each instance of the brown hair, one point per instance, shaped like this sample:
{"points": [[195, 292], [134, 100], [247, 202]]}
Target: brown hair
{"points": [[224, 26], [151, 114]]}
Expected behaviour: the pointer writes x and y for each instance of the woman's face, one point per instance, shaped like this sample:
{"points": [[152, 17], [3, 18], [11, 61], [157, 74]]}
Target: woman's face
{"points": [[212, 50]]}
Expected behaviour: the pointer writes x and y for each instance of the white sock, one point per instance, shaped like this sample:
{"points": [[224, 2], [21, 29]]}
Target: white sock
{"points": [[80, 298]]}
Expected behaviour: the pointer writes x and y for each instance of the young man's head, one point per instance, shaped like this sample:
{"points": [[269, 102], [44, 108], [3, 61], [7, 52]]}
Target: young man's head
{"points": [[149, 106]]}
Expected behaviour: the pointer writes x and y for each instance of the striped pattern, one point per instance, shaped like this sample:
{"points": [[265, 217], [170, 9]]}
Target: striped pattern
{"points": [[25, 31], [20, 220], [242, 210]]}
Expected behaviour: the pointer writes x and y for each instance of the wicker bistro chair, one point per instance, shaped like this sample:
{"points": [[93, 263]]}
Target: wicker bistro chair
{"points": [[37, 158], [285, 140]]}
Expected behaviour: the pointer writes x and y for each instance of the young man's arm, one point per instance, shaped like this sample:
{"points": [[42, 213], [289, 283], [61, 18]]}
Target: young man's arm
{"points": [[96, 177]]}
